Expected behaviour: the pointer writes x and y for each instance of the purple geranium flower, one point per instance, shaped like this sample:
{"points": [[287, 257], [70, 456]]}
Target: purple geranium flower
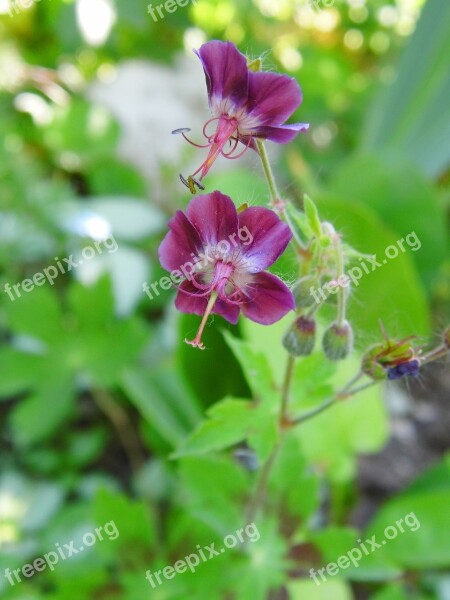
{"points": [[246, 105], [219, 258]]}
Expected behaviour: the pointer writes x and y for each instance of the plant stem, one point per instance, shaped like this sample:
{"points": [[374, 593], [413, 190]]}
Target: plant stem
{"points": [[344, 393], [435, 354], [269, 173], [122, 423], [277, 204], [341, 300], [286, 388], [259, 495]]}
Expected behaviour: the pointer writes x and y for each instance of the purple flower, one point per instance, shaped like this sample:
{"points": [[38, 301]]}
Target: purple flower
{"points": [[219, 258], [245, 106]]}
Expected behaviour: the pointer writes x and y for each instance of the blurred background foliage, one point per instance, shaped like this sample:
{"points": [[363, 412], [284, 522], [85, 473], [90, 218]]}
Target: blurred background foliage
{"points": [[97, 390]]}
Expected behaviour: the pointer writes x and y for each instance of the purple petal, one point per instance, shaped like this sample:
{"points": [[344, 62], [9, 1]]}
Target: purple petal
{"points": [[282, 134], [270, 299], [182, 240], [226, 76], [189, 301], [272, 98], [230, 312], [270, 237], [214, 216]]}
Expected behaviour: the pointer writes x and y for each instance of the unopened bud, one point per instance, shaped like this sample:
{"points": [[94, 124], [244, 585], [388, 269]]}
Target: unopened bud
{"points": [[301, 337], [305, 291], [337, 342], [370, 365]]}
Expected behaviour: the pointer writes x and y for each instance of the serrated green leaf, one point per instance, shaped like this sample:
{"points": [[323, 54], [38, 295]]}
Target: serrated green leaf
{"points": [[228, 423]]}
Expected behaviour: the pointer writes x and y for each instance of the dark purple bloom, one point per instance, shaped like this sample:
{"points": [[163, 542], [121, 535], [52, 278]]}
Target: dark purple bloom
{"points": [[220, 257], [245, 105]]}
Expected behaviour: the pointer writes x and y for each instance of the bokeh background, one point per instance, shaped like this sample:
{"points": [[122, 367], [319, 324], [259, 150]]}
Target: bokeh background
{"points": [[97, 389]]}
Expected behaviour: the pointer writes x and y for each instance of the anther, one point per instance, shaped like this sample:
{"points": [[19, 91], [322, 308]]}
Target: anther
{"points": [[181, 130]]}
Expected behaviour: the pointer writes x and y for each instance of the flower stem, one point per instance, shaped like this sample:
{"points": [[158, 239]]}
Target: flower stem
{"points": [[286, 388], [269, 173], [277, 204], [259, 495], [257, 500], [435, 354], [341, 300], [344, 393]]}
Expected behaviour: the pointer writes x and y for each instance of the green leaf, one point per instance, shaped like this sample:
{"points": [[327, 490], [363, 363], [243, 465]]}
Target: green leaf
{"points": [[299, 222], [213, 488], [392, 292], [41, 415], [405, 200], [36, 314], [309, 590], [256, 369], [133, 520], [19, 371], [210, 385], [302, 498], [312, 215], [228, 423], [334, 541], [153, 405], [425, 521], [411, 118], [391, 592], [334, 438]]}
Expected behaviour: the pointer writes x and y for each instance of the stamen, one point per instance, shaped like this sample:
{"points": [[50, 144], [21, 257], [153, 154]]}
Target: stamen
{"points": [[189, 183], [198, 183], [240, 153], [230, 152], [196, 342], [181, 130], [206, 125]]}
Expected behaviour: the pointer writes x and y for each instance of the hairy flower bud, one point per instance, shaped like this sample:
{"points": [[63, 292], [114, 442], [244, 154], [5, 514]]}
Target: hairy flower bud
{"points": [[305, 291], [337, 342], [301, 337]]}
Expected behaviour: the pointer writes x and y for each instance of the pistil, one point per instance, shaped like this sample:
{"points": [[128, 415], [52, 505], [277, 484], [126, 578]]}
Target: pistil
{"points": [[196, 342]]}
